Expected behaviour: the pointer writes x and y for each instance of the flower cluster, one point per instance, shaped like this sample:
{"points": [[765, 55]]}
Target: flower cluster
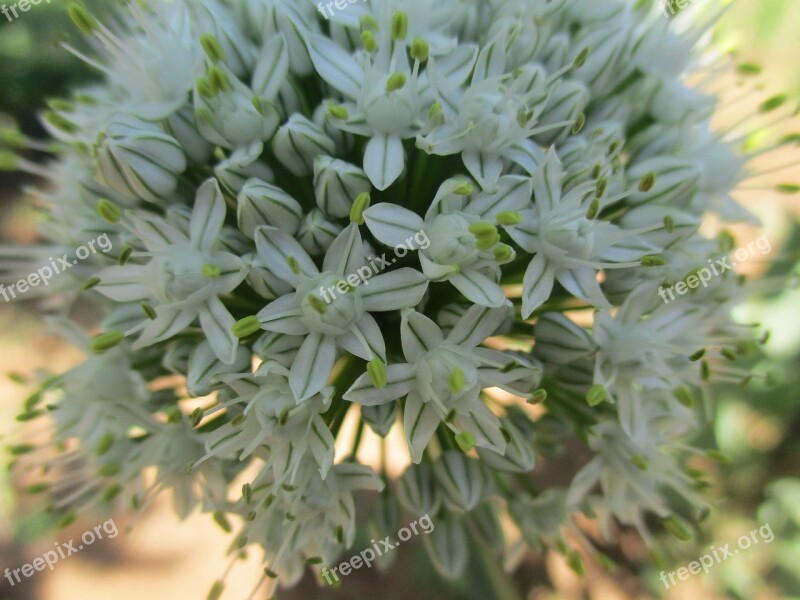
{"points": [[246, 156]]}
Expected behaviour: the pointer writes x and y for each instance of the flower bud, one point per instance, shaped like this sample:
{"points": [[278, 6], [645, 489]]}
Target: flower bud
{"points": [[316, 233], [138, 160], [464, 481], [261, 203], [298, 142], [447, 546], [417, 492], [337, 184]]}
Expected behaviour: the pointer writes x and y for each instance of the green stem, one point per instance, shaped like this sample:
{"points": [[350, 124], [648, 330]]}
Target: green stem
{"points": [[501, 584]]}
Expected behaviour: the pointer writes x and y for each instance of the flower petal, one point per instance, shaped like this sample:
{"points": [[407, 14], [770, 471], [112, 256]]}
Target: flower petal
{"points": [[418, 334], [400, 378], [478, 288], [346, 254], [420, 421], [283, 315], [217, 322], [384, 160], [403, 288], [391, 224], [334, 65], [365, 339], [208, 215], [537, 285], [477, 324], [284, 255], [313, 365]]}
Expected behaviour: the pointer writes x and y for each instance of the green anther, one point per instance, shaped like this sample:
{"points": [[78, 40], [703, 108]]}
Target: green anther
{"points": [[399, 26], [464, 189], [576, 563], [605, 561], [338, 112], [205, 88], [581, 58], [314, 560], [684, 396], [597, 394], [13, 138], [675, 527], [640, 462], [212, 47], [222, 521], [211, 271], [290, 517], [60, 105], [705, 371], [82, 19], [149, 311], [647, 182], [293, 265], [593, 209], [270, 573], [108, 210], [435, 114], [32, 401], [377, 373], [503, 253], [111, 492], [268, 501], [792, 138], [508, 218], [538, 396], [247, 493], [216, 591], [787, 188], [20, 449], [772, 104], [368, 22], [237, 420], [669, 224], [106, 341], [600, 189], [697, 355], [482, 229], [748, 69], [595, 172], [360, 204], [457, 381], [125, 255], [486, 242], [726, 241], [8, 161], [109, 470], [37, 488], [718, 456], [317, 303], [368, 39], [420, 49], [197, 416], [466, 441], [396, 81], [29, 415], [579, 123], [241, 542], [728, 353], [67, 520], [104, 444], [246, 327], [60, 122], [174, 415], [218, 79], [653, 261]]}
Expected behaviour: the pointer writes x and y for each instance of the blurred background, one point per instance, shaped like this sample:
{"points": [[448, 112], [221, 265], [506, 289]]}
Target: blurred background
{"points": [[758, 427]]}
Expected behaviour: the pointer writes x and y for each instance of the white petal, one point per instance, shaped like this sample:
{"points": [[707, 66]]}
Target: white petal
{"points": [[403, 288], [400, 380], [477, 324], [513, 193], [491, 60], [365, 339], [537, 285], [169, 322], [313, 365], [334, 65], [208, 215], [485, 168], [384, 159], [582, 283], [283, 316], [478, 288], [271, 68], [418, 334], [278, 248], [547, 182], [346, 254], [391, 224], [154, 232], [321, 444], [124, 283], [217, 322], [420, 421]]}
